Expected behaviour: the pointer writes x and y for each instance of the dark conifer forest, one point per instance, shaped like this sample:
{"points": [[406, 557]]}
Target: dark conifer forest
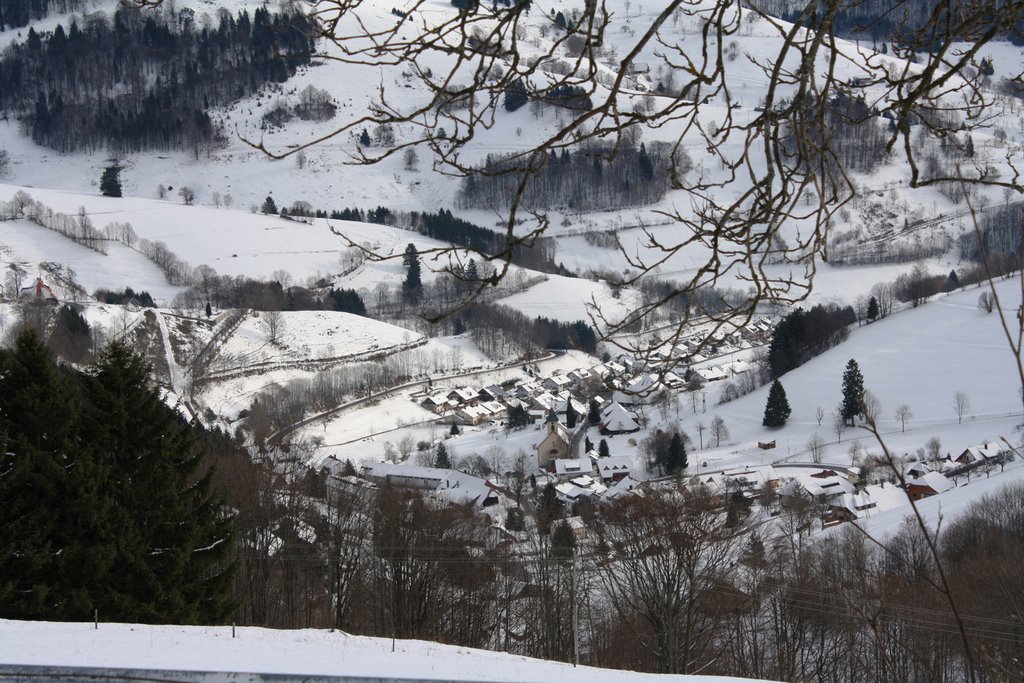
{"points": [[145, 80]]}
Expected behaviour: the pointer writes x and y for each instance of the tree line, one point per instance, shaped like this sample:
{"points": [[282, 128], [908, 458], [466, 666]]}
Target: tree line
{"points": [[18, 13], [598, 177], [145, 80]]}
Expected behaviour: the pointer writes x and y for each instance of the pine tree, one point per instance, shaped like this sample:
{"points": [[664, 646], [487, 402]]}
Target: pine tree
{"points": [[37, 418], [676, 460], [594, 413], [454, 431], [110, 181], [172, 541], [570, 415], [776, 410], [441, 460], [102, 503], [853, 392], [268, 206], [602, 449], [364, 138], [412, 284], [872, 308]]}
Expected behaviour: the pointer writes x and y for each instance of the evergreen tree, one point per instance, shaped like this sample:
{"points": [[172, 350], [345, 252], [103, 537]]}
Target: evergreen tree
{"points": [[37, 417], [454, 431], [594, 413], [776, 410], [364, 139], [472, 272], [676, 460], [102, 503], [110, 181], [209, 311], [412, 284], [441, 460], [268, 206], [172, 544], [853, 392], [518, 417], [570, 415], [515, 95], [603, 450], [872, 308]]}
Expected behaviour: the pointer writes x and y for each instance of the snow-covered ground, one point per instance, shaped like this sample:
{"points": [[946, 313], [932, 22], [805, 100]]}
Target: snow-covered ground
{"points": [[298, 652]]}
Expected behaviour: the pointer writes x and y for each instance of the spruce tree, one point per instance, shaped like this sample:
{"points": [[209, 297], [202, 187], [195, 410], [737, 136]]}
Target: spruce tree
{"points": [[594, 413], [110, 181], [853, 392], [103, 505], [37, 418], [872, 308], [441, 460], [776, 410], [268, 206], [676, 460], [602, 449], [173, 542], [570, 415]]}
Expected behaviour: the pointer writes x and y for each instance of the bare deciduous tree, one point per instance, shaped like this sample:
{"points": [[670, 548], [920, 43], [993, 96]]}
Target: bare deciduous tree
{"points": [[816, 446], [719, 431], [961, 404], [903, 414], [272, 324]]}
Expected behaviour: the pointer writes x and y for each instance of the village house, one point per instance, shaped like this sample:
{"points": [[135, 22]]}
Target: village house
{"points": [[39, 291], [451, 486], [613, 469], [928, 485], [615, 419]]}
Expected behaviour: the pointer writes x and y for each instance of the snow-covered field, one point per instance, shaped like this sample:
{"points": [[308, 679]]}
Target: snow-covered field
{"points": [[297, 652]]}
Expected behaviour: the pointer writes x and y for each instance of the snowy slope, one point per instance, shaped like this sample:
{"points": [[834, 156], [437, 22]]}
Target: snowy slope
{"points": [[298, 652]]}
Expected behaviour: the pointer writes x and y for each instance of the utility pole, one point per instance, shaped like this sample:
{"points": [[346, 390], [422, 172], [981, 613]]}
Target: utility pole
{"points": [[575, 612]]}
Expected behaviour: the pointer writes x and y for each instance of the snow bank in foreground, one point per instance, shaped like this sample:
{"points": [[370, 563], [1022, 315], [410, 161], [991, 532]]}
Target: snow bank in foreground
{"points": [[305, 652]]}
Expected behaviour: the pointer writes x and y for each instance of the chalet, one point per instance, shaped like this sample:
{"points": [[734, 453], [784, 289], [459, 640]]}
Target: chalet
{"points": [[464, 396], [439, 403], [570, 468], [858, 505], [977, 455], [613, 469], [927, 485], [617, 420], [557, 383], [39, 291], [555, 444], [627, 486], [494, 392], [472, 415], [712, 374], [579, 488]]}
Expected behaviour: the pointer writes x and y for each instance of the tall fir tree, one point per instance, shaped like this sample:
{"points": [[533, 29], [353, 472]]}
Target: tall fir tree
{"points": [[109, 495], [676, 460], [441, 459], [173, 544], [776, 410], [110, 181], [853, 392], [594, 413], [570, 415], [37, 436]]}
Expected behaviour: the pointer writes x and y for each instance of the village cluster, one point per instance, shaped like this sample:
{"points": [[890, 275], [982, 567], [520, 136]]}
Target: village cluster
{"points": [[623, 390]]}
